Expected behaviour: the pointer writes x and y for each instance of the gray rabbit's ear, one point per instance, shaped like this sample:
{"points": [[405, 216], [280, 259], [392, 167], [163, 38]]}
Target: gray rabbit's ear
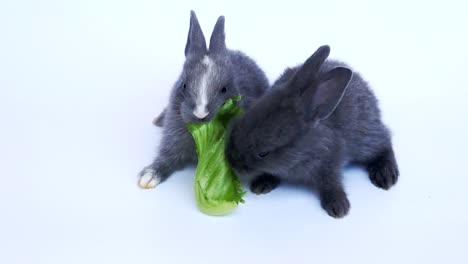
{"points": [[321, 99], [218, 37], [196, 43], [310, 69]]}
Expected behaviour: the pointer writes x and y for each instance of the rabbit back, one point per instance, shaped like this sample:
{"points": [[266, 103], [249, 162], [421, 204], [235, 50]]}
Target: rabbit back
{"points": [[358, 118], [353, 131]]}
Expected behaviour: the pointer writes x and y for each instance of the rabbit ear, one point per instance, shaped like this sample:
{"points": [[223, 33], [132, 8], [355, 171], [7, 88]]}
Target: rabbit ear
{"points": [[310, 68], [218, 37], [196, 43], [322, 98]]}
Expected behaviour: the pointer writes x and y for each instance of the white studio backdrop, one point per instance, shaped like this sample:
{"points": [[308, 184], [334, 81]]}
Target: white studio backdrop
{"points": [[81, 81]]}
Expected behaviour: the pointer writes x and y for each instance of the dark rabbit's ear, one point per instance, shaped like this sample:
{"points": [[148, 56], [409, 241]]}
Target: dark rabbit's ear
{"points": [[196, 43], [323, 96], [218, 37], [309, 70]]}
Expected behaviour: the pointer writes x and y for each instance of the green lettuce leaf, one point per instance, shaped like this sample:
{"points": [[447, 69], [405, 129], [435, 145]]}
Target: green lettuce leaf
{"points": [[217, 189]]}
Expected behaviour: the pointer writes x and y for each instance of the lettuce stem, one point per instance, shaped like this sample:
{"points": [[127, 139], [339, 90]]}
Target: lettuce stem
{"points": [[218, 191]]}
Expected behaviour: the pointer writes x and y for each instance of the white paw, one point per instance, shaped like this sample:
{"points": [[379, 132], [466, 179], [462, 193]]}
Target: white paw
{"points": [[149, 179]]}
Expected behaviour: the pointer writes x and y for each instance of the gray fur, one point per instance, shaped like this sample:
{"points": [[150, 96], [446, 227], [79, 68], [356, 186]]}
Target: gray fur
{"points": [[159, 120], [232, 70], [317, 117]]}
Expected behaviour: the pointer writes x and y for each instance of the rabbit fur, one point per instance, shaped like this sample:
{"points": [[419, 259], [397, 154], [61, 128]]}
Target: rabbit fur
{"points": [[209, 77], [316, 118]]}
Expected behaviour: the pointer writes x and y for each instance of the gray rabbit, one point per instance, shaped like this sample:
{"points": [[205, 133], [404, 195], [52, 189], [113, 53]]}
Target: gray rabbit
{"points": [[209, 77], [315, 119]]}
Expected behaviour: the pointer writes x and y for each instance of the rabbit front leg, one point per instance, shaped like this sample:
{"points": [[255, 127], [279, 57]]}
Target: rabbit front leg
{"points": [[161, 168], [333, 198], [264, 183], [173, 155]]}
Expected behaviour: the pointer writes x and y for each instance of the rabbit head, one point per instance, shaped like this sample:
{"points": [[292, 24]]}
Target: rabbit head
{"points": [[270, 136], [206, 81]]}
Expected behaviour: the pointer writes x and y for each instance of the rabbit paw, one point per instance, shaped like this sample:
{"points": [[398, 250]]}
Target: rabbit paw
{"points": [[264, 184], [383, 173], [148, 179], [335, 203]]}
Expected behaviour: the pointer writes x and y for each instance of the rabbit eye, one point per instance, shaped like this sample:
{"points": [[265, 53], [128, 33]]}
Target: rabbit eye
{"points": [[224, 89], [263, 154], [184, 86]]}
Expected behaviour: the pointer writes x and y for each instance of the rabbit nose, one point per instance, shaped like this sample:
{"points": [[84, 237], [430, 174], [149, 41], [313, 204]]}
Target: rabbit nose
{"points": [[200, 113]]}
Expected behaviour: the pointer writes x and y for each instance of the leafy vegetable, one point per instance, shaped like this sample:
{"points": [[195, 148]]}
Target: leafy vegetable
{"points": [[217, 188]]}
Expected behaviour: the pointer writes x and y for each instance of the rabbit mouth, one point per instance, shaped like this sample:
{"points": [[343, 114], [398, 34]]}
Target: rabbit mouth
{"points": [[243, 169], [239, 166], [191, 118]]}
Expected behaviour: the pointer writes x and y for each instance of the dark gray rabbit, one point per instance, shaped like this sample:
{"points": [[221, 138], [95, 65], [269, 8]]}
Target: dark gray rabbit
{"points": [[316, 118], [209, 77]]}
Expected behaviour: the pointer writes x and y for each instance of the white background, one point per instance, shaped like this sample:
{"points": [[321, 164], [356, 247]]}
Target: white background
{"points": [[80, 82]]}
